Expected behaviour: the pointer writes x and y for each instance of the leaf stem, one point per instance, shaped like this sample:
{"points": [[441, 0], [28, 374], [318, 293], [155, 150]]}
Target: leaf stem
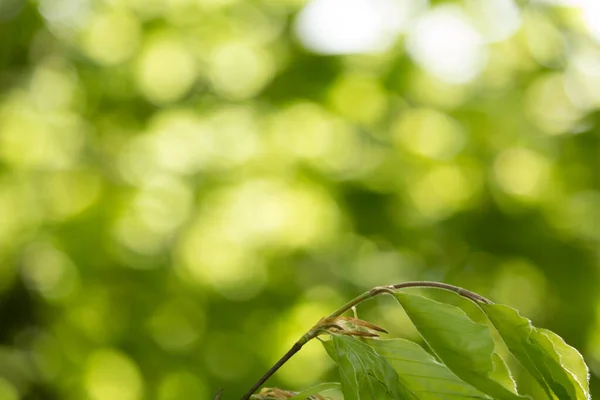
{"points": [[390, 289]]}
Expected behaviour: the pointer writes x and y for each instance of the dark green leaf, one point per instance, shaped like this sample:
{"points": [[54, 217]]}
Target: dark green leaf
{"points": [[464, 346]]}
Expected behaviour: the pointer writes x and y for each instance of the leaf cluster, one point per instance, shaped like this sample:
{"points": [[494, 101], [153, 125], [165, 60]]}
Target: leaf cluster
{"points": [[464, 362]]}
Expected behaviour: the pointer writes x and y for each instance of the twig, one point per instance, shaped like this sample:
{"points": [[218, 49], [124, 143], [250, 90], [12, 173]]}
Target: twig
{"points": [[315, 330]]}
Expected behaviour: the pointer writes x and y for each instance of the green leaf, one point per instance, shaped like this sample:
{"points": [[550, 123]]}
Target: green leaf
{"points": [[502, 374], [464, 346], [571, 359], [558, 367], [421, 374], [316, 390], [364, 374]]}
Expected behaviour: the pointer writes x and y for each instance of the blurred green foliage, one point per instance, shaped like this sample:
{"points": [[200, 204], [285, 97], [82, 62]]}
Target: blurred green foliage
{"points": [[186, 187]]}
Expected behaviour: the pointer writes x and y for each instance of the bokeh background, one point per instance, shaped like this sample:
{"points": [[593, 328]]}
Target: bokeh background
{"points": [[186, 186]]}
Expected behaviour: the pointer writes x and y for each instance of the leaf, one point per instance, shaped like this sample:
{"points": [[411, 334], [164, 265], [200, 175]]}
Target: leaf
{"points": [[316, 390], [502, 374], [558, 367], [464, 346], [364, 374], [571, 359], [421, 374]]}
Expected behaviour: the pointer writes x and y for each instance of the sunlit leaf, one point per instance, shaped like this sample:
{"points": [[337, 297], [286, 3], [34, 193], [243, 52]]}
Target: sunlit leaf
{"points": [[502, 374], [558, 367], [315, 390], [422, 374], [364, 374], [464, 346], [571, 359]]}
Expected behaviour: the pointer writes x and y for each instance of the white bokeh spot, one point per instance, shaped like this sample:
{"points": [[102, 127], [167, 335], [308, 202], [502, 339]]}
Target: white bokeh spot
{"points": [[354, 26], [444, 43], [591, 17]]}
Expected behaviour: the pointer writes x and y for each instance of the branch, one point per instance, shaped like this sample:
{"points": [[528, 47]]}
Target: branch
{"points": [[315, 330]]}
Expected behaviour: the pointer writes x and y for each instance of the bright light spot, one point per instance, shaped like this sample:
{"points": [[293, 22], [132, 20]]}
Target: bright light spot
{"points": [[49, 271], [545, 40], [220, 249], [7, 390], [549, 107], [166, 70], [496, 19], [137, 162], [235, 135], [431, 91], [582, 78], [176, 325], [160, 207], [111, 37], [591, 17], [354, 26], [521, 285], [262, 212], [442, 191], [209, 260], [148, 9], [136, 236], [563, 3], [429, 133], [445, 43], [304, 130], [69, 193], [257, 24], [215, 4], [309, 132], [360, 99], [53, 86], [522, 172], [29, 139], [239, 71], [163, 204], [110, 374], [65, 13], [506, 61], [182, 385], [180, 141]]}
